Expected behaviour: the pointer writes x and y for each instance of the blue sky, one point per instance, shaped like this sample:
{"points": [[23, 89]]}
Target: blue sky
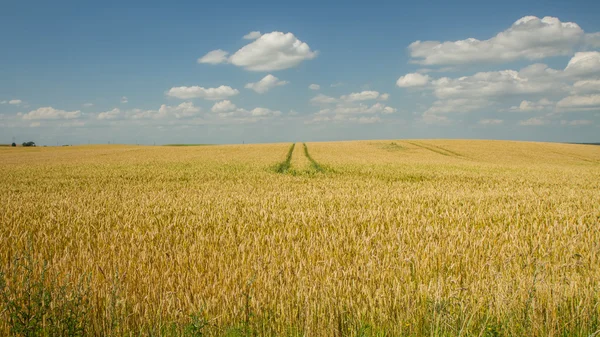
{"points": [[78, 72]]}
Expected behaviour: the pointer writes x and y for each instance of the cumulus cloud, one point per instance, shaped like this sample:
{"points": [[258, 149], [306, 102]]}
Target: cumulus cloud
{"points": [[267, 83], [345, 119], [592, 40], [252, 36], [352, 111], [367, 95], [124, 100], [535, 121], [577, 122], [490, 122], [363, 109], [226, 110], [268, 52], [527, 86], [51, 113], [577, 101], [458, 105], [351, 108], [112, 114], [264, 112], [527, 106], [323, 99], [584, 64], [360, 96], [214, 57], [431, 118], [223, 106], [528, 38], [535, 79], [15, 101], [314, 87], [183, 110], [211, 94], [413, 80], [586, 87]]}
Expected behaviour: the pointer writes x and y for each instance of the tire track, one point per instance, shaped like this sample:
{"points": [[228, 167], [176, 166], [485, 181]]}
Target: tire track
{"points": [[578, 157], [285, 165], [438, 150], [313, 163]]}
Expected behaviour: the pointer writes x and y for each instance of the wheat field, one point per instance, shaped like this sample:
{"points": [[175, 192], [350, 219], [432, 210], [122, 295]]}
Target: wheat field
{"points": [[361, 238]]}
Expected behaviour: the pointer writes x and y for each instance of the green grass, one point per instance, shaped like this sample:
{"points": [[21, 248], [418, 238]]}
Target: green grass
{"points": [[284, 166]]}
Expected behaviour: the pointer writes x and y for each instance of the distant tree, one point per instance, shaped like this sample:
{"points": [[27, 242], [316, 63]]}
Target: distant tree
{"points": [[13, 144], [26, 144]]}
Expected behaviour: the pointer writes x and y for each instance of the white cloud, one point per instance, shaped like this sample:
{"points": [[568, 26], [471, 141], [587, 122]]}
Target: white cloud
{"points": [[211, 94], [112, 114], [586, 87], [35, 124], [430, 118], [87, 105], [214, 57], [527, 106], [577, 101], [534, 79], [323, 99], [584, 64], [459, 105], [314, 87], [528, 85], [183, 110], [413, 80], [360, 96], [223, 106], [535, 121], [365, 120], [592, 40], [269, 52], [363, 109], [529, 38], [229, 111], [15, 101], [337, 84], [267, 83], [124, 100], [264, 112], [51, 113], [344, 119], [577, 122], [490, 122], [252, 36], [350, 107]]}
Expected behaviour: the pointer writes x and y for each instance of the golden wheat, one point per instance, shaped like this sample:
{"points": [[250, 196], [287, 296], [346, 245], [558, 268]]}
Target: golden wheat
{"points": [[416, 237]]}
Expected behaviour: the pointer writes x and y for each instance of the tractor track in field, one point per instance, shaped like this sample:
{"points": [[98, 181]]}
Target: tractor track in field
{"points": [[438, 150], [285, 167], [578, 157], [313, 163]]}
